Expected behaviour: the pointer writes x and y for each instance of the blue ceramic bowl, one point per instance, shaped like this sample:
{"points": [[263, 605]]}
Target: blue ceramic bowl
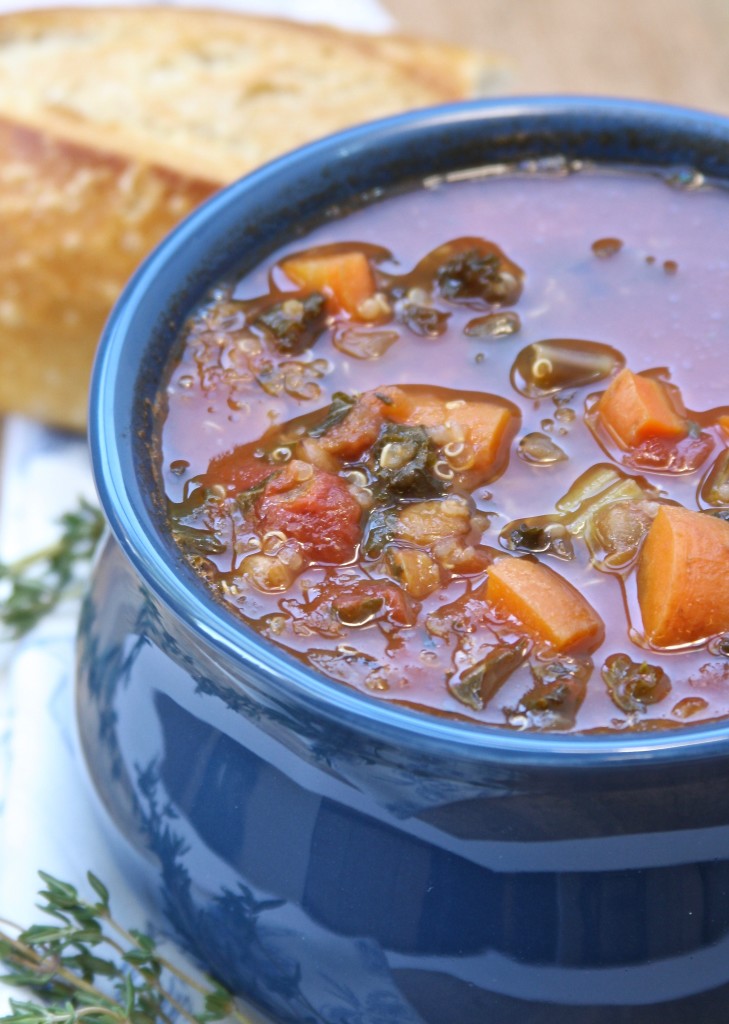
{"points": [[334, 858]]}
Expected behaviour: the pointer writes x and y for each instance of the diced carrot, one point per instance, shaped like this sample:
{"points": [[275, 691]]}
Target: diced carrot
{"points": [[635, 408], [683, 583], [345, 277], [545, 604], [419, 410], [723, 423], [484, 426]]}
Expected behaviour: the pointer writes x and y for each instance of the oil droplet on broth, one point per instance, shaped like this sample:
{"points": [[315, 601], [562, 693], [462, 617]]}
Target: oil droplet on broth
{"points": [[540, 450], [549, 366], [604, 248], [493, 325]]}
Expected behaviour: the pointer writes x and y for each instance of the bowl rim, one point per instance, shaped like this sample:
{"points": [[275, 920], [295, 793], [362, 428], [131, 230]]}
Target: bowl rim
{"points": [[111, 443]]}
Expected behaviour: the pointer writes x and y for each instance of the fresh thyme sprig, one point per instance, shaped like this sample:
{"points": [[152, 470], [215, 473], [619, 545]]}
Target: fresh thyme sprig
{"points": [[33, 586], [82, 964], [85, 966]]}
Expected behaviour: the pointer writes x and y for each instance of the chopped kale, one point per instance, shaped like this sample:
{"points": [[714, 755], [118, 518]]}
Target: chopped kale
{"points": [[403, 459], [538, 538], [475, 276], [526, 538], [715, 489], [551, 705], [246, 499], [476, 685], [195, 496], [633, 685], [379, 531], [560, 670], [294, 323], [341, 405], [197, 542], [554, 700], [717, 513]]}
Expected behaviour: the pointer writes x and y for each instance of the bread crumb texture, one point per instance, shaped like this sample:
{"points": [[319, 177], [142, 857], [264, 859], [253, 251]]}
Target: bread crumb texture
{"points": [[116, 123]]}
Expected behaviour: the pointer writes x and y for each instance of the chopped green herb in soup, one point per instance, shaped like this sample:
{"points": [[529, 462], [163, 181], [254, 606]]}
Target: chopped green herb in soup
{"points": [[466, 449]]}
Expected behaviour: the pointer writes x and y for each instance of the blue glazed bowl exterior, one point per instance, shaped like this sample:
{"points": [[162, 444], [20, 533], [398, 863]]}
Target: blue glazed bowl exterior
{"points": [[344, 861]]}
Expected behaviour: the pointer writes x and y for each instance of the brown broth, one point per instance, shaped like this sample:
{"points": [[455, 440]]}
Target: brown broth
{"points": [[658, 293]]}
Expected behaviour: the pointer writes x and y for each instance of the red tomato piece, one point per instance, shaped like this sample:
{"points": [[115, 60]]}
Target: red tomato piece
{"points": [[237, 470], [314, 508], [360, 427]]}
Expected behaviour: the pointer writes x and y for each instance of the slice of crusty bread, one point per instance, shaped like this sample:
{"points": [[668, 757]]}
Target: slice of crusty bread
{"points": [[115, 123]]}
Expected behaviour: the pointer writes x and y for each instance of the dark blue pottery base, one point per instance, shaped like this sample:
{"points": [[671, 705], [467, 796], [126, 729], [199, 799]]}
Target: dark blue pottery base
{"points": [[332, 858], [330, 878]]}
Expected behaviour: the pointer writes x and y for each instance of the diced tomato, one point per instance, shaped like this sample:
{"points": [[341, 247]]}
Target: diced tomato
{"points": [[314, 508], [348, 439], [663, 455], [237, 470]]}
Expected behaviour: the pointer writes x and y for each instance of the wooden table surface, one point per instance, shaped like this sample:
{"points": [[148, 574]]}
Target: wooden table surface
{"points": [[676, 51]]}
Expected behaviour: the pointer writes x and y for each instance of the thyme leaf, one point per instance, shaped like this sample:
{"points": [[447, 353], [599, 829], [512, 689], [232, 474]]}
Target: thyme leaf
{"points": [[34, 585], [81, 964]]}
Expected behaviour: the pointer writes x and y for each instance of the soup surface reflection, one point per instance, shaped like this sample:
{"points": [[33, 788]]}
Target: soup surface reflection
{"points": [[466, 449]]}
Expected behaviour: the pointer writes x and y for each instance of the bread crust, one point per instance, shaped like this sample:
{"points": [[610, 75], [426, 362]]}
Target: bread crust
{"points": [[116, 122], [75, 222]]}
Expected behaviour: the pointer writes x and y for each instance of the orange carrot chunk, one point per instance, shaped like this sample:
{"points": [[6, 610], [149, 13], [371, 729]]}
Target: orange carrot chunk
{"points": [[486, 428], [683, 583], [546, 605], [346, 277], [487, 425], [635, 408]]}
